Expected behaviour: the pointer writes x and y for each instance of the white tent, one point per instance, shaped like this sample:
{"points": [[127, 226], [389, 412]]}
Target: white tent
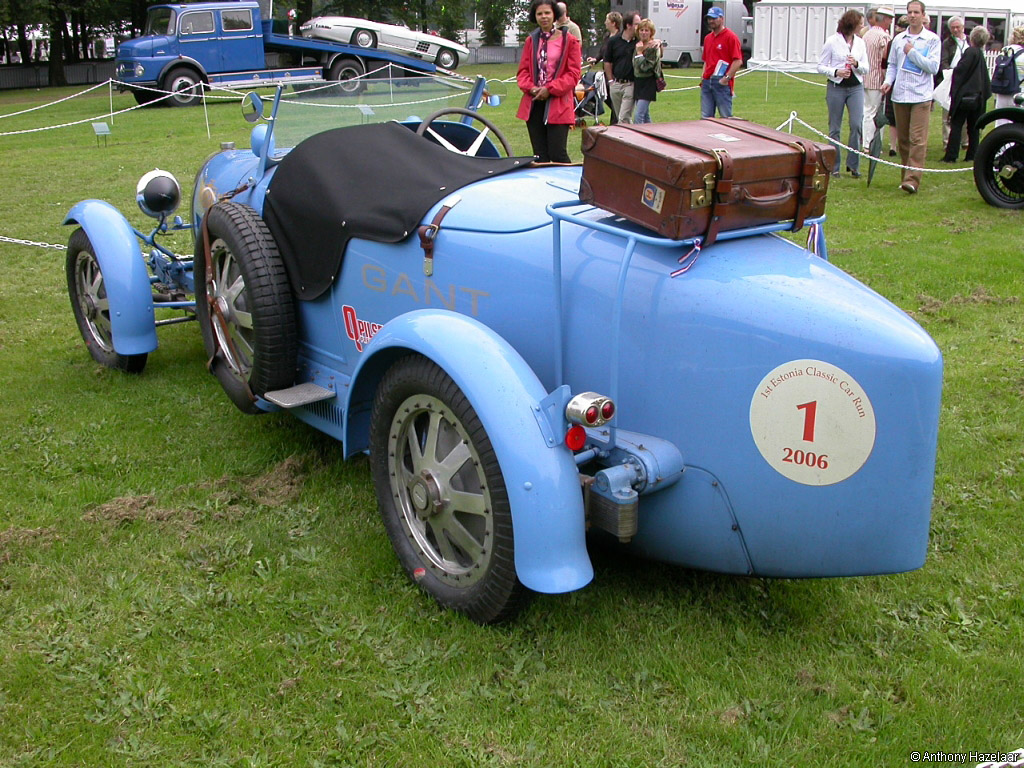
{"points": [[789, 35]]}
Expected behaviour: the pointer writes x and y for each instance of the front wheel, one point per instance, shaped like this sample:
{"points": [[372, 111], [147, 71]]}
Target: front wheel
{"points": [[91, 307], [999, 167], [186, 87], [364, 38], [441, 493], [447, 59]]}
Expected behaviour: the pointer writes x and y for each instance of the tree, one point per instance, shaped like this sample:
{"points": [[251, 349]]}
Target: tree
{"points": [[496, 16]]}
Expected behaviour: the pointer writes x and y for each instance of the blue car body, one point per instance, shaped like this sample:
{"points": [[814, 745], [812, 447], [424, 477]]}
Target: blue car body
{"points": [[773, 416]]}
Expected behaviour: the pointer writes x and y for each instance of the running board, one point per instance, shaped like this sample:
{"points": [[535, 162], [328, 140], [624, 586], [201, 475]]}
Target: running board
{"points": [[300, 394]]}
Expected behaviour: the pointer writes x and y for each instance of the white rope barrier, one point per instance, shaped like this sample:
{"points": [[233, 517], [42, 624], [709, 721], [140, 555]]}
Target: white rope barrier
{"points": [[794, 118], [54, 103], [221, 92]]}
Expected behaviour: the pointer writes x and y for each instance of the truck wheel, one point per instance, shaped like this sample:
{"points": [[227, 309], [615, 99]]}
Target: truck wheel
{"points": [[685, 61], [245, 310], [186, 87], [999, 167], [447, 58], [91, 307], [441, 493], [364, 38], [349, 73]]}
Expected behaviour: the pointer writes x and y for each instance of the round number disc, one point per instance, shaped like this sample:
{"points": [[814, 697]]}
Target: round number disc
{"points": [[812, 422]]}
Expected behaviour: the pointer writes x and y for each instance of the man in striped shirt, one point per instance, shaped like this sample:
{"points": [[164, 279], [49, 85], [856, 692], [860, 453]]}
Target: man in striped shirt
{"points": [[913, 62], [876, 41]]}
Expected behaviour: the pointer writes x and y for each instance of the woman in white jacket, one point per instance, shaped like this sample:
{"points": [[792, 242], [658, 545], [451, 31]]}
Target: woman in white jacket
{"points": [[844, 61]]}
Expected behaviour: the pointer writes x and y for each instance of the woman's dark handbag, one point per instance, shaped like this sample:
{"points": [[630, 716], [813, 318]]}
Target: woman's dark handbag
{"points": [[970, 102], [659, 84]]}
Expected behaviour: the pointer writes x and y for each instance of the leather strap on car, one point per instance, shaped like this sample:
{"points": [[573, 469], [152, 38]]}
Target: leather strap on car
{"points": [[428, 233], [723, 179], [813, 160]]}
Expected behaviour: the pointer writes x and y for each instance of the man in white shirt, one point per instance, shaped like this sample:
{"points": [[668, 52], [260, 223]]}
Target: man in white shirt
{"points": [[876, 42], [913, 62]]}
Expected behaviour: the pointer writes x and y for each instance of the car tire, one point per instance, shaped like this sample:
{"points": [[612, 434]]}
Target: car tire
{"points": [[89, 303], [186, 85], [450, 525], [999, 167], [447, 59], [348, 69], [364, 38], [251, 342]]}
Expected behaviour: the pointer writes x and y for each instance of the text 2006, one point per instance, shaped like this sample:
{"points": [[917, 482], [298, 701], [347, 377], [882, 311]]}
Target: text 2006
{"points": [[806, 458]]}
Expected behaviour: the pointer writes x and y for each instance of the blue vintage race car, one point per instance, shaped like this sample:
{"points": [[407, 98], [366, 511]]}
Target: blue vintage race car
{"points": [[522, 367]]}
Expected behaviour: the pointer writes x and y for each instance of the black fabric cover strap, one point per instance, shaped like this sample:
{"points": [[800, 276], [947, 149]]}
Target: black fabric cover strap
{"points": [[375, 182]]}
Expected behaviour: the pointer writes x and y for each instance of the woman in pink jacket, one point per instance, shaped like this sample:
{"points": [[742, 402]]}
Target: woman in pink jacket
{"points": [[548, 73]]}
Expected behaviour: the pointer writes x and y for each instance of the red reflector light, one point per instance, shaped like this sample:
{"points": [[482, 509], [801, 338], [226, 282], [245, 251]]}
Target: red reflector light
{"points": [[576, 438], [607, 410], [591, 414]]}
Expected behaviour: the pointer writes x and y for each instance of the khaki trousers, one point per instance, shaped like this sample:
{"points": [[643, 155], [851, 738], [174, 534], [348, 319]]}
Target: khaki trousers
{"points": [[912, 137]]}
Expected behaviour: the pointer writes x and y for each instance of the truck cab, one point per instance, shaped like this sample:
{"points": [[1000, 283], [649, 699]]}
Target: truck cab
{"points": [[185, 46], [193, 40]]}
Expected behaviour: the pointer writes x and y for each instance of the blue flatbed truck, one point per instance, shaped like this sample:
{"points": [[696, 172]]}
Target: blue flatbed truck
{"points": [[186, 46]]}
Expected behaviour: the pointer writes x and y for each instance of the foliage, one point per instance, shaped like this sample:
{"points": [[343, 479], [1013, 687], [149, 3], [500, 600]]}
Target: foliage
{"points": [[496, 16], [184, 585]]}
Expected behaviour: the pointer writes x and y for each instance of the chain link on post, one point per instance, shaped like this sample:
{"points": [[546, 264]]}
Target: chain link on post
{"points": [[34, 243]]}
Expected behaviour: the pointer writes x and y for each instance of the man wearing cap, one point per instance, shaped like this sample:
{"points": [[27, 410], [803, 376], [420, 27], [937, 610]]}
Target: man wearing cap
{"points": [[913, 61], [722, 57], [876, 41]]}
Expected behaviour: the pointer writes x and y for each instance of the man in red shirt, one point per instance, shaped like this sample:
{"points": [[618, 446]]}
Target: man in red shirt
{"points": [[722, 57]]}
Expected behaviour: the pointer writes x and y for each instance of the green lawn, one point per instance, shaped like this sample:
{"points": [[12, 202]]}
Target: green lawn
{"points": [[181, 584]]}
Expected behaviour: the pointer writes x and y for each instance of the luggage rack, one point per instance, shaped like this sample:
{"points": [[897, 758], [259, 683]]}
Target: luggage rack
{"points": [[816, 243]]}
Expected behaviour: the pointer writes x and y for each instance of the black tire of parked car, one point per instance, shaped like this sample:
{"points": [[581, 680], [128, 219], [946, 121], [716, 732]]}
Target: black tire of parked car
{"points": [[451, 526], [89, 302], [186, 85], [999, 167], [251, 342]]}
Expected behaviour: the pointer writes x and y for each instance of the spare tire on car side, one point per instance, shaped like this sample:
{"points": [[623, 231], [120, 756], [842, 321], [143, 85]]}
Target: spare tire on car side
{"points": [[244, 305]]}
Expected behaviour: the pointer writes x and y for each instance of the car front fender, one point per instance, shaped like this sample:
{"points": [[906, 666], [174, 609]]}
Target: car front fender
{"points": [[540, 474], [125, 276], [1013, 114]]}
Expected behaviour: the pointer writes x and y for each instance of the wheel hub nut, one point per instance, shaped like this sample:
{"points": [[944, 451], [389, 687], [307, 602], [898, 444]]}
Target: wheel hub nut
{"points": [[425, 495]]}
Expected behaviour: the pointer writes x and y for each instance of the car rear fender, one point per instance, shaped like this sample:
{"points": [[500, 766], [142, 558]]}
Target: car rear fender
{"points": [[541, 478], [1013, 114], [125, 276]]}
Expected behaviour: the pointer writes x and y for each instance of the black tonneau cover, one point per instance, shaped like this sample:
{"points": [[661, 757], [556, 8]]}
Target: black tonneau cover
{"points": [[370, 181]]}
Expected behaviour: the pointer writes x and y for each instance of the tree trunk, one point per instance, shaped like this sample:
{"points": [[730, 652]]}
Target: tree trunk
{"points": [[57, 40], [24, 49]]}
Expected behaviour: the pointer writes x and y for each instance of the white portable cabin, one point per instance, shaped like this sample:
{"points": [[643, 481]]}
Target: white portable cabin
{"points": [[682, 24], [789, 35]]}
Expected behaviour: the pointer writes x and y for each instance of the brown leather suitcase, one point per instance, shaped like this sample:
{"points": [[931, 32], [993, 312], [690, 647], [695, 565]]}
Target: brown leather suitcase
{"points": [[699, 177]]}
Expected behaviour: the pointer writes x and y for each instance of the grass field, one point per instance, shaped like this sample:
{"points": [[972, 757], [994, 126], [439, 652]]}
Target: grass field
{"points": [[181, 584]]}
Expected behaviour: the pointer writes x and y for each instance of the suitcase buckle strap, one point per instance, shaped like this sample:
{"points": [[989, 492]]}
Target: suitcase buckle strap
{"points": [[701, 197]]}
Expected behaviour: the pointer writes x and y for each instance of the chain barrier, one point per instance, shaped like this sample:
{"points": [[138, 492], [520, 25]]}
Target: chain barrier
{"points": [[32, 243]]}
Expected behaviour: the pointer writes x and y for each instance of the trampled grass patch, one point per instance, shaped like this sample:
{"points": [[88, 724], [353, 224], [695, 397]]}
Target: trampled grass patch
{"points": [[181, 584]]}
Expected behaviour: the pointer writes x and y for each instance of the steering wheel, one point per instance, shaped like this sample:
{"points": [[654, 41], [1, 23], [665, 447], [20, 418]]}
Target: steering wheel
{"points": [[474, 149]]}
